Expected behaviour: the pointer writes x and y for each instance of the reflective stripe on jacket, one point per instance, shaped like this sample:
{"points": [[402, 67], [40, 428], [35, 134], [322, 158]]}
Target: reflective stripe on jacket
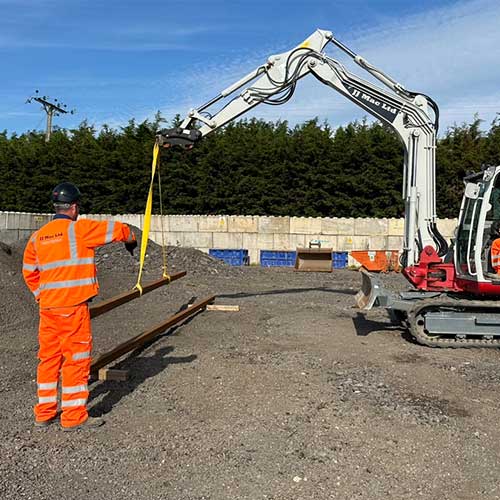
{"points": [[58, 264]]}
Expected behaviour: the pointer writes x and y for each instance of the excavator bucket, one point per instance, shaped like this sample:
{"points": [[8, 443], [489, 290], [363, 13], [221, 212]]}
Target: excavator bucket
{"points": [[371, 290], [314, 260]]}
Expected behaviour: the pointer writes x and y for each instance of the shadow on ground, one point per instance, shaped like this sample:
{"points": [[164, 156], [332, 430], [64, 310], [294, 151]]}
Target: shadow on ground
{"points": [[345, 291], [365, 327], [140, 369]]}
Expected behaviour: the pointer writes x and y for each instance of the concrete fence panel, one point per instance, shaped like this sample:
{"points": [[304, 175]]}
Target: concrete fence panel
{"points": [[213, 224], [305, 225], [273, 225], [242, 223], [227, 240]]}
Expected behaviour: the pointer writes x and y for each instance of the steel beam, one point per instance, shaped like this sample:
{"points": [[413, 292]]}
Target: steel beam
{"points": [[118, 300], [137, 341]]}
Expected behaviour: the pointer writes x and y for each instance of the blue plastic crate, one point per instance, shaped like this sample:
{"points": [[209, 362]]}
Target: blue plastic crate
{"points": [[277, 258], [233, 257], [339, 260]]}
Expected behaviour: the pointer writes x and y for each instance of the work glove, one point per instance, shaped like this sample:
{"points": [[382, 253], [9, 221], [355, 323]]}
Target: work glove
{"points": [[130, 246]]}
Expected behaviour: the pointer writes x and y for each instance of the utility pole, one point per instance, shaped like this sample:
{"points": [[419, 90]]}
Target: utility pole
{"points": [[52, 108]]}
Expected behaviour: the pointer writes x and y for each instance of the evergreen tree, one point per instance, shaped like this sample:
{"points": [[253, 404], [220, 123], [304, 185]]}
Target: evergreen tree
{"points": [[248, 167], [459, 153]]}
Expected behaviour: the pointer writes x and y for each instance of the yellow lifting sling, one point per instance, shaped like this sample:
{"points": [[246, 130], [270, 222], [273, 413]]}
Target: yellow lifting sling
{"points": [[155, 168]]}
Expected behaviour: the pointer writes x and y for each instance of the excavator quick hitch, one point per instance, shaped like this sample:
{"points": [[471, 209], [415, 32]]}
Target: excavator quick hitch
{"points": [[185, 138]]}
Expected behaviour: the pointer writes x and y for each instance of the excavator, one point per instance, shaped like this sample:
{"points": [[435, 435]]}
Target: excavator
{"points": [[452, 301]]}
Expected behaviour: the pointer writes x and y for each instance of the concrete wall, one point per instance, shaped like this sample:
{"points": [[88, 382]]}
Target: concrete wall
{"points": [[253, 233]]}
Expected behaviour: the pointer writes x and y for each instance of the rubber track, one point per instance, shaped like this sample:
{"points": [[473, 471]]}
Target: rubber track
{"points": [[460, 305]]}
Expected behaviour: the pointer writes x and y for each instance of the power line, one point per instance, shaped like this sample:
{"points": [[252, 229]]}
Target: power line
{"points": [[52, 108]]}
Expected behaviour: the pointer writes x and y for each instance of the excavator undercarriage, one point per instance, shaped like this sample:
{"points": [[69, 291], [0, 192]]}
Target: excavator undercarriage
{"points": [[436, 319]]}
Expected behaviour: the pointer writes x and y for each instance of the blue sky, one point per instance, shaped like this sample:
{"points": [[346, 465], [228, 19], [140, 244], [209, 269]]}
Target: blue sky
{"points": [[115, 60]]}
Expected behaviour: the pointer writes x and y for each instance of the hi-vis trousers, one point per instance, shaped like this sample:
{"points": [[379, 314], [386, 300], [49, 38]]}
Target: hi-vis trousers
{"points": [[65, 339]]}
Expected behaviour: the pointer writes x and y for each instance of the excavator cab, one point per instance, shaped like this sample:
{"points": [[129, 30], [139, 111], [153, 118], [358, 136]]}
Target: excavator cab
{"points": [[480, 209]]}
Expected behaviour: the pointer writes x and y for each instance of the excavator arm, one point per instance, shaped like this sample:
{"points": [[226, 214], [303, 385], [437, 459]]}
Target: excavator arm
{"points": [[413, 116]]}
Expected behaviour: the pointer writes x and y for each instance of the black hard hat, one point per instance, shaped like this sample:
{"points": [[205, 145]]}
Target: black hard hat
{"points": [[66, 193]]}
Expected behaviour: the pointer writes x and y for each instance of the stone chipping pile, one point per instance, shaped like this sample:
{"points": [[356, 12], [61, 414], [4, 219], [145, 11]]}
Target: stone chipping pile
{"points": [[114, 257], [16, 301]]}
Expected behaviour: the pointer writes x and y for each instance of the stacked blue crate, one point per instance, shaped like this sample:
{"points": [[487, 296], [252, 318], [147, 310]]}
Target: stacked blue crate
{"points": [[233, 257], [339, 260], [277, 258]]}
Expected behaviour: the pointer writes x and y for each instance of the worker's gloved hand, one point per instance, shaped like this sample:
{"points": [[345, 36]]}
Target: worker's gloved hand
{"points": [[131, 246]]}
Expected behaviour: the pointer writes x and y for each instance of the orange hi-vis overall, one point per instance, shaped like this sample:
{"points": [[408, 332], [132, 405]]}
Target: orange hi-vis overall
{"points": [[495, 255], [59, 269]]}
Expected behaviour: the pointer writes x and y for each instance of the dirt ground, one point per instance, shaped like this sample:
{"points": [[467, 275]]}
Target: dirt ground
{"points": [[296, 396]]}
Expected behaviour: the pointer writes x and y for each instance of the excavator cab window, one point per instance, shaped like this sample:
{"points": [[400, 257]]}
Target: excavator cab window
{"points": [[466, 237], [492, 215]]}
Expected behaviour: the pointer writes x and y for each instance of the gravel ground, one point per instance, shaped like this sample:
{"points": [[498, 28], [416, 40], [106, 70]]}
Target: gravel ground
{"points": [[296, 396]]}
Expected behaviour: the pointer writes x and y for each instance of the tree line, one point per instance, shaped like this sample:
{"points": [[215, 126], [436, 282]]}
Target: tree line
{"points": [[250, 167]]}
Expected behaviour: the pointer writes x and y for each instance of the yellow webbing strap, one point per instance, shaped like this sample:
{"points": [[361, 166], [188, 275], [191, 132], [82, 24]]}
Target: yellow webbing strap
{"points": [[163, 247], [147, 218]]}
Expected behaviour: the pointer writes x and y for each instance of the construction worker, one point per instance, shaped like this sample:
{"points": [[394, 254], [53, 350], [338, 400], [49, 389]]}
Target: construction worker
{"points": [[59, 269], [495, 246]]}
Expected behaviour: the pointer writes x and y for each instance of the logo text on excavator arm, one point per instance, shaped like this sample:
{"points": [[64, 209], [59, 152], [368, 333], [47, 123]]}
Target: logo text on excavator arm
{"points": [[381, 108]]}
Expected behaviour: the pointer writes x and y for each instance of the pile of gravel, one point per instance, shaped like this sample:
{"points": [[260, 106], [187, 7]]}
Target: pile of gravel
{"points": [[17, 304], [114, 257]]}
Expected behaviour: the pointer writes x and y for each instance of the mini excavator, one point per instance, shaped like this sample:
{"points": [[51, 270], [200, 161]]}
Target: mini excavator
{"points": [[454, 297]]}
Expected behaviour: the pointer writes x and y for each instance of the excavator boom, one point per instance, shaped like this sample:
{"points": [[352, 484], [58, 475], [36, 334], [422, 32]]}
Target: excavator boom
{"points": [[413, 116]]}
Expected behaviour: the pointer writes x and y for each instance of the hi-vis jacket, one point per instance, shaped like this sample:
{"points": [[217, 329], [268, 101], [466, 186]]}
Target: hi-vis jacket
{"points": [[495, 255], [58, 264]]}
